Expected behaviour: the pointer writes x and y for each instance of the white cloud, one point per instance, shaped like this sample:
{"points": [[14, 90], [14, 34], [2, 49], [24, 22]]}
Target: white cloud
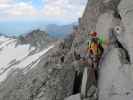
{"points": [[22, 9], [13, 10], [78, 2], [4, 4], [5, 1], [64, 9], [53, 9]]}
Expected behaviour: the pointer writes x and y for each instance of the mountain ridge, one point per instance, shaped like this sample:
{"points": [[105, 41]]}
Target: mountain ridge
{"points": [[53, 76]]}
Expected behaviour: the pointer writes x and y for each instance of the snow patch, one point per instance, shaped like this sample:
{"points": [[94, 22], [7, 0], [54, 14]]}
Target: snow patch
{"points": [[32, 58], [11, 54], [3, 39]]}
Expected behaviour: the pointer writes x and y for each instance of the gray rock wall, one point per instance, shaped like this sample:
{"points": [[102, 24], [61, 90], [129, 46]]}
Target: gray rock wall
{"points": [[126, 12], [115, 77], [50, 79]]}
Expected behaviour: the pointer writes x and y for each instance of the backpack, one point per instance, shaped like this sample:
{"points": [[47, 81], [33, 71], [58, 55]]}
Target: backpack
{"points": [[94, 47]]}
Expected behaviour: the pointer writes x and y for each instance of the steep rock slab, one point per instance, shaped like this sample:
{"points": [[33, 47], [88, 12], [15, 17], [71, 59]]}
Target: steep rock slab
{"points": [[115, 81], [92, 12], [126, 12], [105, 22]]}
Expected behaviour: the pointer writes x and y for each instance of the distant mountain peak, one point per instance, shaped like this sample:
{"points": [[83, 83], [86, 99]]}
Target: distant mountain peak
{"points": [[37, 38]]}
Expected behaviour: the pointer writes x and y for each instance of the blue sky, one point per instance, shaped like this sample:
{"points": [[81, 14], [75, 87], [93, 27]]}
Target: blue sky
{"points": [[19, 16]]}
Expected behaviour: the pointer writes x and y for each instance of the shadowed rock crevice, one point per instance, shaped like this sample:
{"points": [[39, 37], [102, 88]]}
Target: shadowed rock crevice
{"points": [[125, 57], [77, 82]]}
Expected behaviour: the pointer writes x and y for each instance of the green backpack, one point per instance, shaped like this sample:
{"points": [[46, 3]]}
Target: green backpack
{"points": [[101, 40]]}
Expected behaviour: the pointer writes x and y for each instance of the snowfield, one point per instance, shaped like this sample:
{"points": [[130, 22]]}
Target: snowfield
{"points": [[14, 56]]}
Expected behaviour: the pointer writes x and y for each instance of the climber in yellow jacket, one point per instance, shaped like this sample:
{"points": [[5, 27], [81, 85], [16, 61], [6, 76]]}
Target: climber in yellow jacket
{"points": [[95, 48], [90, 74], [94, 44]]}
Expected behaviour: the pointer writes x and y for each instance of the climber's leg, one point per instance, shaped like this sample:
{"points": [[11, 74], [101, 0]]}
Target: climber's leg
{"points": [[83, 93]]}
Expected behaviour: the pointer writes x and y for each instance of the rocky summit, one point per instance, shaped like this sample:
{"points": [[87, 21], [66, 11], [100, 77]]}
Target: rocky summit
{"points": [[47, 69]]}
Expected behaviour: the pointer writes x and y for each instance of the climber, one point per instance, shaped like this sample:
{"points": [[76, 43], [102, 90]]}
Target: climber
{"points": [[94, 51], [95, 45]]}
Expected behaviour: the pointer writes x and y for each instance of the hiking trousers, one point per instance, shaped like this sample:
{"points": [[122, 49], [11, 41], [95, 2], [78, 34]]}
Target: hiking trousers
{"points": [[88, 79]]}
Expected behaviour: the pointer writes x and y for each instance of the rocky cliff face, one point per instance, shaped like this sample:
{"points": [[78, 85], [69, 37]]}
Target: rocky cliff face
{"points": [[47, 74], [115, 76]]}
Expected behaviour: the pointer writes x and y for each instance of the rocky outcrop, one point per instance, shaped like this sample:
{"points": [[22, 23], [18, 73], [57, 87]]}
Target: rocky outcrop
{"points": [[50, 78], [36, 38], [92, 12], [119, 85], [115, 76]]}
